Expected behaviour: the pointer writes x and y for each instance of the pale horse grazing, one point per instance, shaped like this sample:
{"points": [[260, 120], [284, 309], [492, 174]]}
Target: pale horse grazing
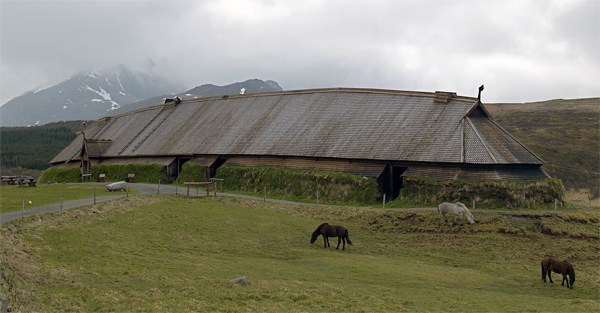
{"points": [[457, 209]]}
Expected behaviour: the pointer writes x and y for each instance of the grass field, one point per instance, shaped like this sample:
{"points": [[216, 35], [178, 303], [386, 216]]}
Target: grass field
{"points": [[169, 253], [12, 197]]}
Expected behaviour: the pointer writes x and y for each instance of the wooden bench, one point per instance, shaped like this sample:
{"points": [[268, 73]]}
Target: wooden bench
{"points": [[130, 178], [101, 177], [86, 177]]}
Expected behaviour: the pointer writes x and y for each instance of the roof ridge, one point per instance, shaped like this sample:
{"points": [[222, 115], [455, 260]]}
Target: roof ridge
{"points": [[330, 90]]}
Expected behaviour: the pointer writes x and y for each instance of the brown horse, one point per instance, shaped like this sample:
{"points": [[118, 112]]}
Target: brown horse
{"points": [[550, 264], [327, 231]]}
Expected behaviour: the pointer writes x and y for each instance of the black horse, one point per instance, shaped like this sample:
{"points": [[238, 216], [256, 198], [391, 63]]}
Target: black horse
{"points": [[327, 231], [550, 264]]}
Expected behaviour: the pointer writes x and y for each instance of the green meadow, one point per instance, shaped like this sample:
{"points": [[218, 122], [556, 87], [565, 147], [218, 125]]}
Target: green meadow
{"points": [[12, 197], [171, 253]]}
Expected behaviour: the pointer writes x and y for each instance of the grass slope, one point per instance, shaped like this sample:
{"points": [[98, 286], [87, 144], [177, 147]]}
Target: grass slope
{"points": [[564, 133], [168, 253]]}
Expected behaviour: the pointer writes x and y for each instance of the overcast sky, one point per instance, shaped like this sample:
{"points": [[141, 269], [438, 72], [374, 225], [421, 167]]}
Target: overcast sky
{"points": [[522, 50]]}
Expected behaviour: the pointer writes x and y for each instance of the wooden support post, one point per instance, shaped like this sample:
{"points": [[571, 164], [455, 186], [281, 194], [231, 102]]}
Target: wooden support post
{"points": [[317, 196]]}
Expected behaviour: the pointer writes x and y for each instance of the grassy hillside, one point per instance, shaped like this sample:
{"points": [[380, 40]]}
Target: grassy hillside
{"points": [[564, 133], [169, 253]]}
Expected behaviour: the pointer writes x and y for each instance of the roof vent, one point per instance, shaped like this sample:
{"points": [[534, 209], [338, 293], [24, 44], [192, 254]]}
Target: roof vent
{"points": [[176, 100], [443, 96]]}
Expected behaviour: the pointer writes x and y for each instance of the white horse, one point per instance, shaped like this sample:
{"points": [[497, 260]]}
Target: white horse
{"points": [[457, 209]]}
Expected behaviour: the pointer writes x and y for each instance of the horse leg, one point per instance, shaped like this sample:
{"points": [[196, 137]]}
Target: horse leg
{"points": [[563, 280], [550, 275], [344, 243], [339, 241], [325, 241]]}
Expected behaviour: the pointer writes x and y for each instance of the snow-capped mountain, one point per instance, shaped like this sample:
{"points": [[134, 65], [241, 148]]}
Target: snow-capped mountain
{"points": [[207, 90], [85, 96]]}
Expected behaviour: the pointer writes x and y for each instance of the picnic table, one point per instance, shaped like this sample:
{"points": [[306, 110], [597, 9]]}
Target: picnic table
{"points": [[22, 181]]}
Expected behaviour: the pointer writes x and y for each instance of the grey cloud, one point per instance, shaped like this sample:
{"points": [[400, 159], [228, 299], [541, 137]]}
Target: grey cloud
{"points": [[410, 45]]}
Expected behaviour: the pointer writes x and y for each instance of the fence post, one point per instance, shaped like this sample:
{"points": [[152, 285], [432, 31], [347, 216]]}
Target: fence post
{"points": [[384, 196], [473, 205], [61, 203], [317, 196], [265, 194], [94, 196], [23, 209], [158, 189]]}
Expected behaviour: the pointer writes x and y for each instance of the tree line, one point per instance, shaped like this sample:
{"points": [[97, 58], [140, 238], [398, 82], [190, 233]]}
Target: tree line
{"points": [[33, 147]]}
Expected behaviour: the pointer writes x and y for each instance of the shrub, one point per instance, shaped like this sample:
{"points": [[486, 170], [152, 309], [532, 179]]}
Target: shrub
{"points": [[192, 172], [60, 175], [486, 193], [301, 184]]}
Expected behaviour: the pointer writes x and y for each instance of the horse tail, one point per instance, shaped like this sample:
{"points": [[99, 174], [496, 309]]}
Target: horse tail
{"points": [[347, 237], [543, 270]]}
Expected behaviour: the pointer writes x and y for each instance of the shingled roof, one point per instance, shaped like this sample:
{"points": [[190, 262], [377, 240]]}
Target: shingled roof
{"points": [[364, 124]]}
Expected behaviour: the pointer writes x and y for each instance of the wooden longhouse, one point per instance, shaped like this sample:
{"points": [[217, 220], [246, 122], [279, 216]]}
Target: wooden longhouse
{"points": [[386, 134]]}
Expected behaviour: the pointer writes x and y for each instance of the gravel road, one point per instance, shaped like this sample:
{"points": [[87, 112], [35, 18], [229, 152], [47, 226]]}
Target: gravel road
{"points": [[144, 189]]}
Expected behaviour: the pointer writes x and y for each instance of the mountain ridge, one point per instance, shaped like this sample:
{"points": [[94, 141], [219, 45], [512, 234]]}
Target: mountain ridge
{"points": [[85, 95], [93, 94], [208, 90]]}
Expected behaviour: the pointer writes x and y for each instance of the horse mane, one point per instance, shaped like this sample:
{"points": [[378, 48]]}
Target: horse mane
{"points": [[319, 227]]}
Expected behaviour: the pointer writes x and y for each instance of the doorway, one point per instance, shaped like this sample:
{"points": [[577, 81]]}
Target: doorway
{"points": [[391, 181]]}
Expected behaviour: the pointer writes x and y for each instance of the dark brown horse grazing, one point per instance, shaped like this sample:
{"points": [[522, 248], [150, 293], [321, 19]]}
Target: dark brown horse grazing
{"points": [[550, 264], [327, 231]]}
